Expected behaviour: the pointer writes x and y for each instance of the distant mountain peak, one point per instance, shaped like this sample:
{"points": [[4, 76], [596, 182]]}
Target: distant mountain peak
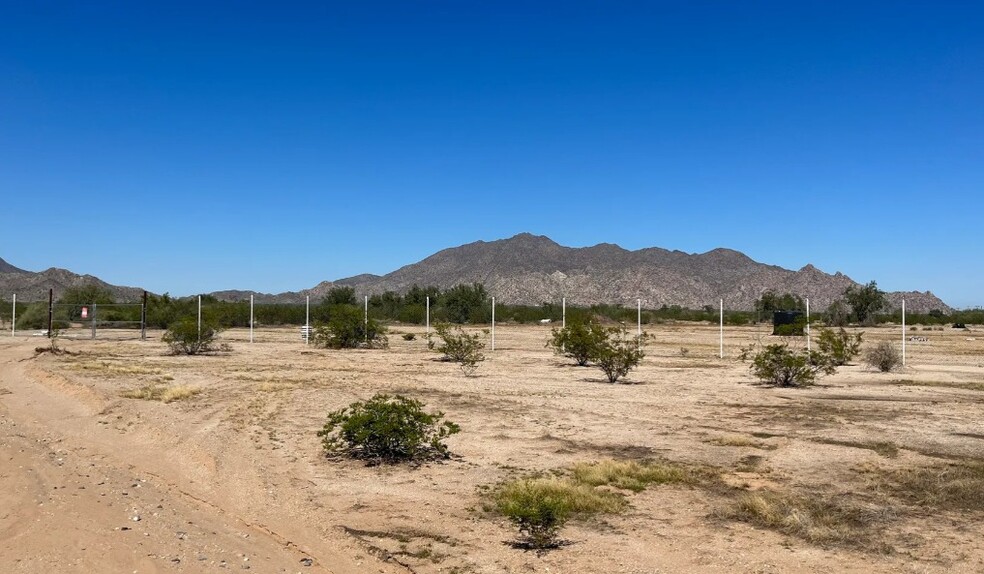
{"points": [[8, 268], [530, 269]]}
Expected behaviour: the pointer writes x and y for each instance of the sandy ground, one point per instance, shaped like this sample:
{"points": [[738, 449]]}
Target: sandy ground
{"points": [[234, 477]]}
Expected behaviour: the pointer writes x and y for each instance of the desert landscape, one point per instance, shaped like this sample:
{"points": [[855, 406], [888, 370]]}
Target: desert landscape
{"points": [[119, 457]]}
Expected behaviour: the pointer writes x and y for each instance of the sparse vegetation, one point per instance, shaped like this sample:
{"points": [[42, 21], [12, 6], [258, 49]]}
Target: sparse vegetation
{"points": [[884, 357], [579, 340], [618, 354], [884, 448], [409, 336], [460, 347], [387, 429], [540, 507], [185, 338], [636, 476], [163, 393], [956, 486], [814, 518], [779, 365], [738, 441], [348, 328], [839, 345]]}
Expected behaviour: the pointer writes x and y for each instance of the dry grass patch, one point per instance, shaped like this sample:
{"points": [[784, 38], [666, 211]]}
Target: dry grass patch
{"points": [[809, 517], [163, 393], [738, 440], [636, 476], [958, 486], [943, 384], [540, 506], [272, 386], [116, 369], [887, 449], [576, 498]]}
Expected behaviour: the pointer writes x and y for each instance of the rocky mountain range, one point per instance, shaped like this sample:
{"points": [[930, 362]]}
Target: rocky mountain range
{"points": [[531, 269], [30, 286]]}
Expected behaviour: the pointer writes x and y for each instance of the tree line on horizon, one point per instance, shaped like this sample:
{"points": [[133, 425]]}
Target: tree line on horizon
{"points": [[461, 304]]}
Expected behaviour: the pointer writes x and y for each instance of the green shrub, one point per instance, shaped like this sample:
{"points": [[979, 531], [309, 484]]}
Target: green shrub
{"points": [[884, 357], [540, 507], [36, 317], [579, 340], [184, 337], [409, 336], [779, 365], [466, 303], [839, 345], [618, 354], [387, 429], [460, 347], [347, 328]]}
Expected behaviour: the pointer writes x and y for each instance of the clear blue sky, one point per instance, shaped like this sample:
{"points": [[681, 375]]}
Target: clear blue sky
{"points": [[190, 147]]}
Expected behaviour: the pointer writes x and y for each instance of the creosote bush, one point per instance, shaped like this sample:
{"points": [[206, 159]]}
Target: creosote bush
{"points": [[839, 345], [347, 328], [884, 357], [184, 337], [618, 354], [579, 340], [781, 366], [460, 347], [387, 429]]}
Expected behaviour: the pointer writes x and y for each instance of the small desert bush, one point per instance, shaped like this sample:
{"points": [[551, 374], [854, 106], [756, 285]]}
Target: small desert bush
{"points": [[779, 365], [884, 357], [579, 340], [163, 393], [409, 336], [540, 507], [184, 337], [635, 476], [460, 347], [387, 429], [618, 353], [348, 328], [839, 345]]}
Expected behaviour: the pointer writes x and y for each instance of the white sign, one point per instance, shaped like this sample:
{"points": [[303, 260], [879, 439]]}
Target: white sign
{"points": [[85, 312]]}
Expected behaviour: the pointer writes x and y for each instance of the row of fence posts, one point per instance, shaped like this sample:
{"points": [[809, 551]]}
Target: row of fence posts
{"points": [[307, 320], [94, 320]]}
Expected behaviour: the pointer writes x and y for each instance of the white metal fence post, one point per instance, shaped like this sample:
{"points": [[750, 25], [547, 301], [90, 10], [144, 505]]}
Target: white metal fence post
{"points": [[199, 318], [251, 318], [13, 318], [428, 315], [307, 320], [366, 320], [903, 331], [807, 324], [493, 324], [563, 313], [721, 331]]}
